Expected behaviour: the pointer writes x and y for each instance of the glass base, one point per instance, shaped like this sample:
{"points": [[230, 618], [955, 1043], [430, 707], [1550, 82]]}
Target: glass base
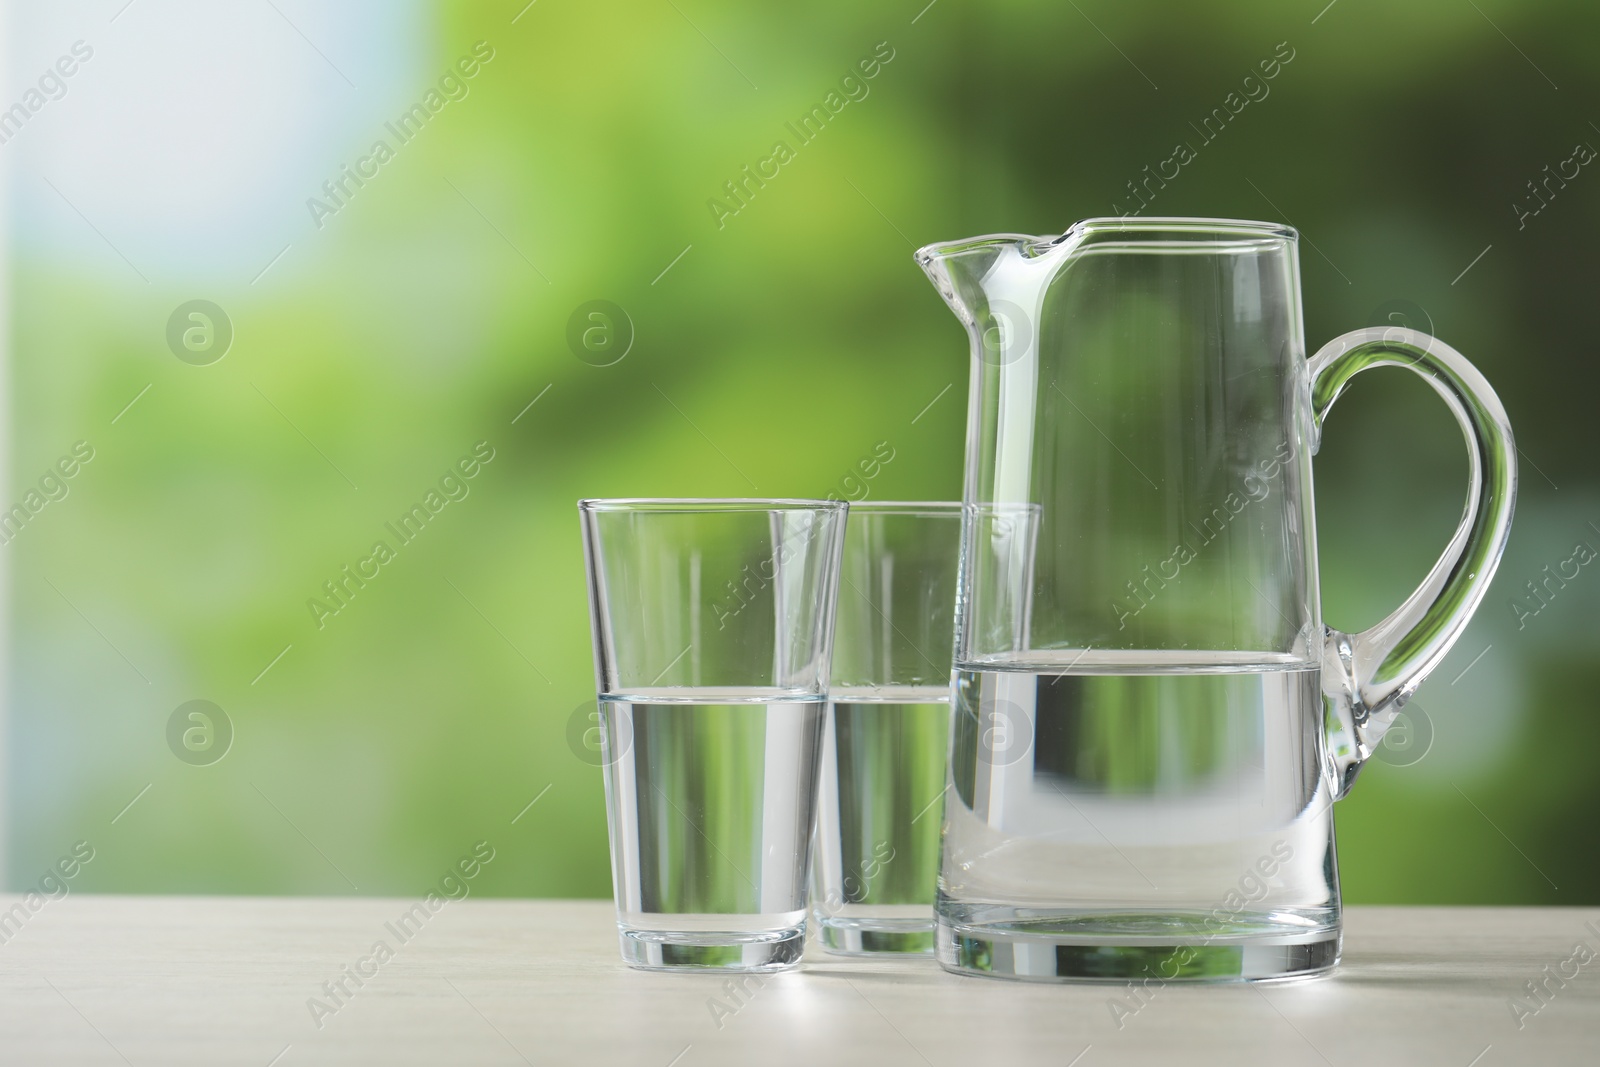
{"points": [[710, 950], [875, 937], [1076, 951]]}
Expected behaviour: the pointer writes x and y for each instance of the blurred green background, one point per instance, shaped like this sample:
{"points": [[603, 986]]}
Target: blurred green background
{"points": [[772, 350]]}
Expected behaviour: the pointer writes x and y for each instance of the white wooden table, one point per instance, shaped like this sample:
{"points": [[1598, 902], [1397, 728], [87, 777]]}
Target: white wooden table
{"points": [[223, 981]]}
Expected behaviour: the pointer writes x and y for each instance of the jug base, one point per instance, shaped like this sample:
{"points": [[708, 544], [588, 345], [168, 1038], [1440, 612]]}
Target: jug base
{"points": [[1025, 952]]}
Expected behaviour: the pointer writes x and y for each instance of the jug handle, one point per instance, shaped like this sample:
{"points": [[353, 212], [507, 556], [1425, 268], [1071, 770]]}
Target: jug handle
{"points": [[1367, 677]]}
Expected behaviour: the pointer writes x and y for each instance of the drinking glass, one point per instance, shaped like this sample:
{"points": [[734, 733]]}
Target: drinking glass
{"points": [[713, 628], [876, 862]]}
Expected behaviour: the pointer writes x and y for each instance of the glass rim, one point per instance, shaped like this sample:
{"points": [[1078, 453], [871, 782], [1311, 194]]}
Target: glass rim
{"points": [[928, 508], [707, 505]]}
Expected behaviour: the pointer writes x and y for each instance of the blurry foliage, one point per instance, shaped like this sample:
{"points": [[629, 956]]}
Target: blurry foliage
{"points": [[769, 359]]}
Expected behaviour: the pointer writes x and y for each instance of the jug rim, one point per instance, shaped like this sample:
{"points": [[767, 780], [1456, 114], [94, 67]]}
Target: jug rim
{"points": [[1181, 226], [1186, 224]]}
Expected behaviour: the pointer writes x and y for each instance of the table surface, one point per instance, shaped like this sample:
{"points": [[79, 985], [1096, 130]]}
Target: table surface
{"points": [[238, 980]]}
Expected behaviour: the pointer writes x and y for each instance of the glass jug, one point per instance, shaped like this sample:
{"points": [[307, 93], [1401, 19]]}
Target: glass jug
{"points": [[1150, 721]]}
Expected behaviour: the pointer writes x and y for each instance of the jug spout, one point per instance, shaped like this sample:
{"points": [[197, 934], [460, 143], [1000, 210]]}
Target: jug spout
{"points": [[996, 286], [960, 270]]}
